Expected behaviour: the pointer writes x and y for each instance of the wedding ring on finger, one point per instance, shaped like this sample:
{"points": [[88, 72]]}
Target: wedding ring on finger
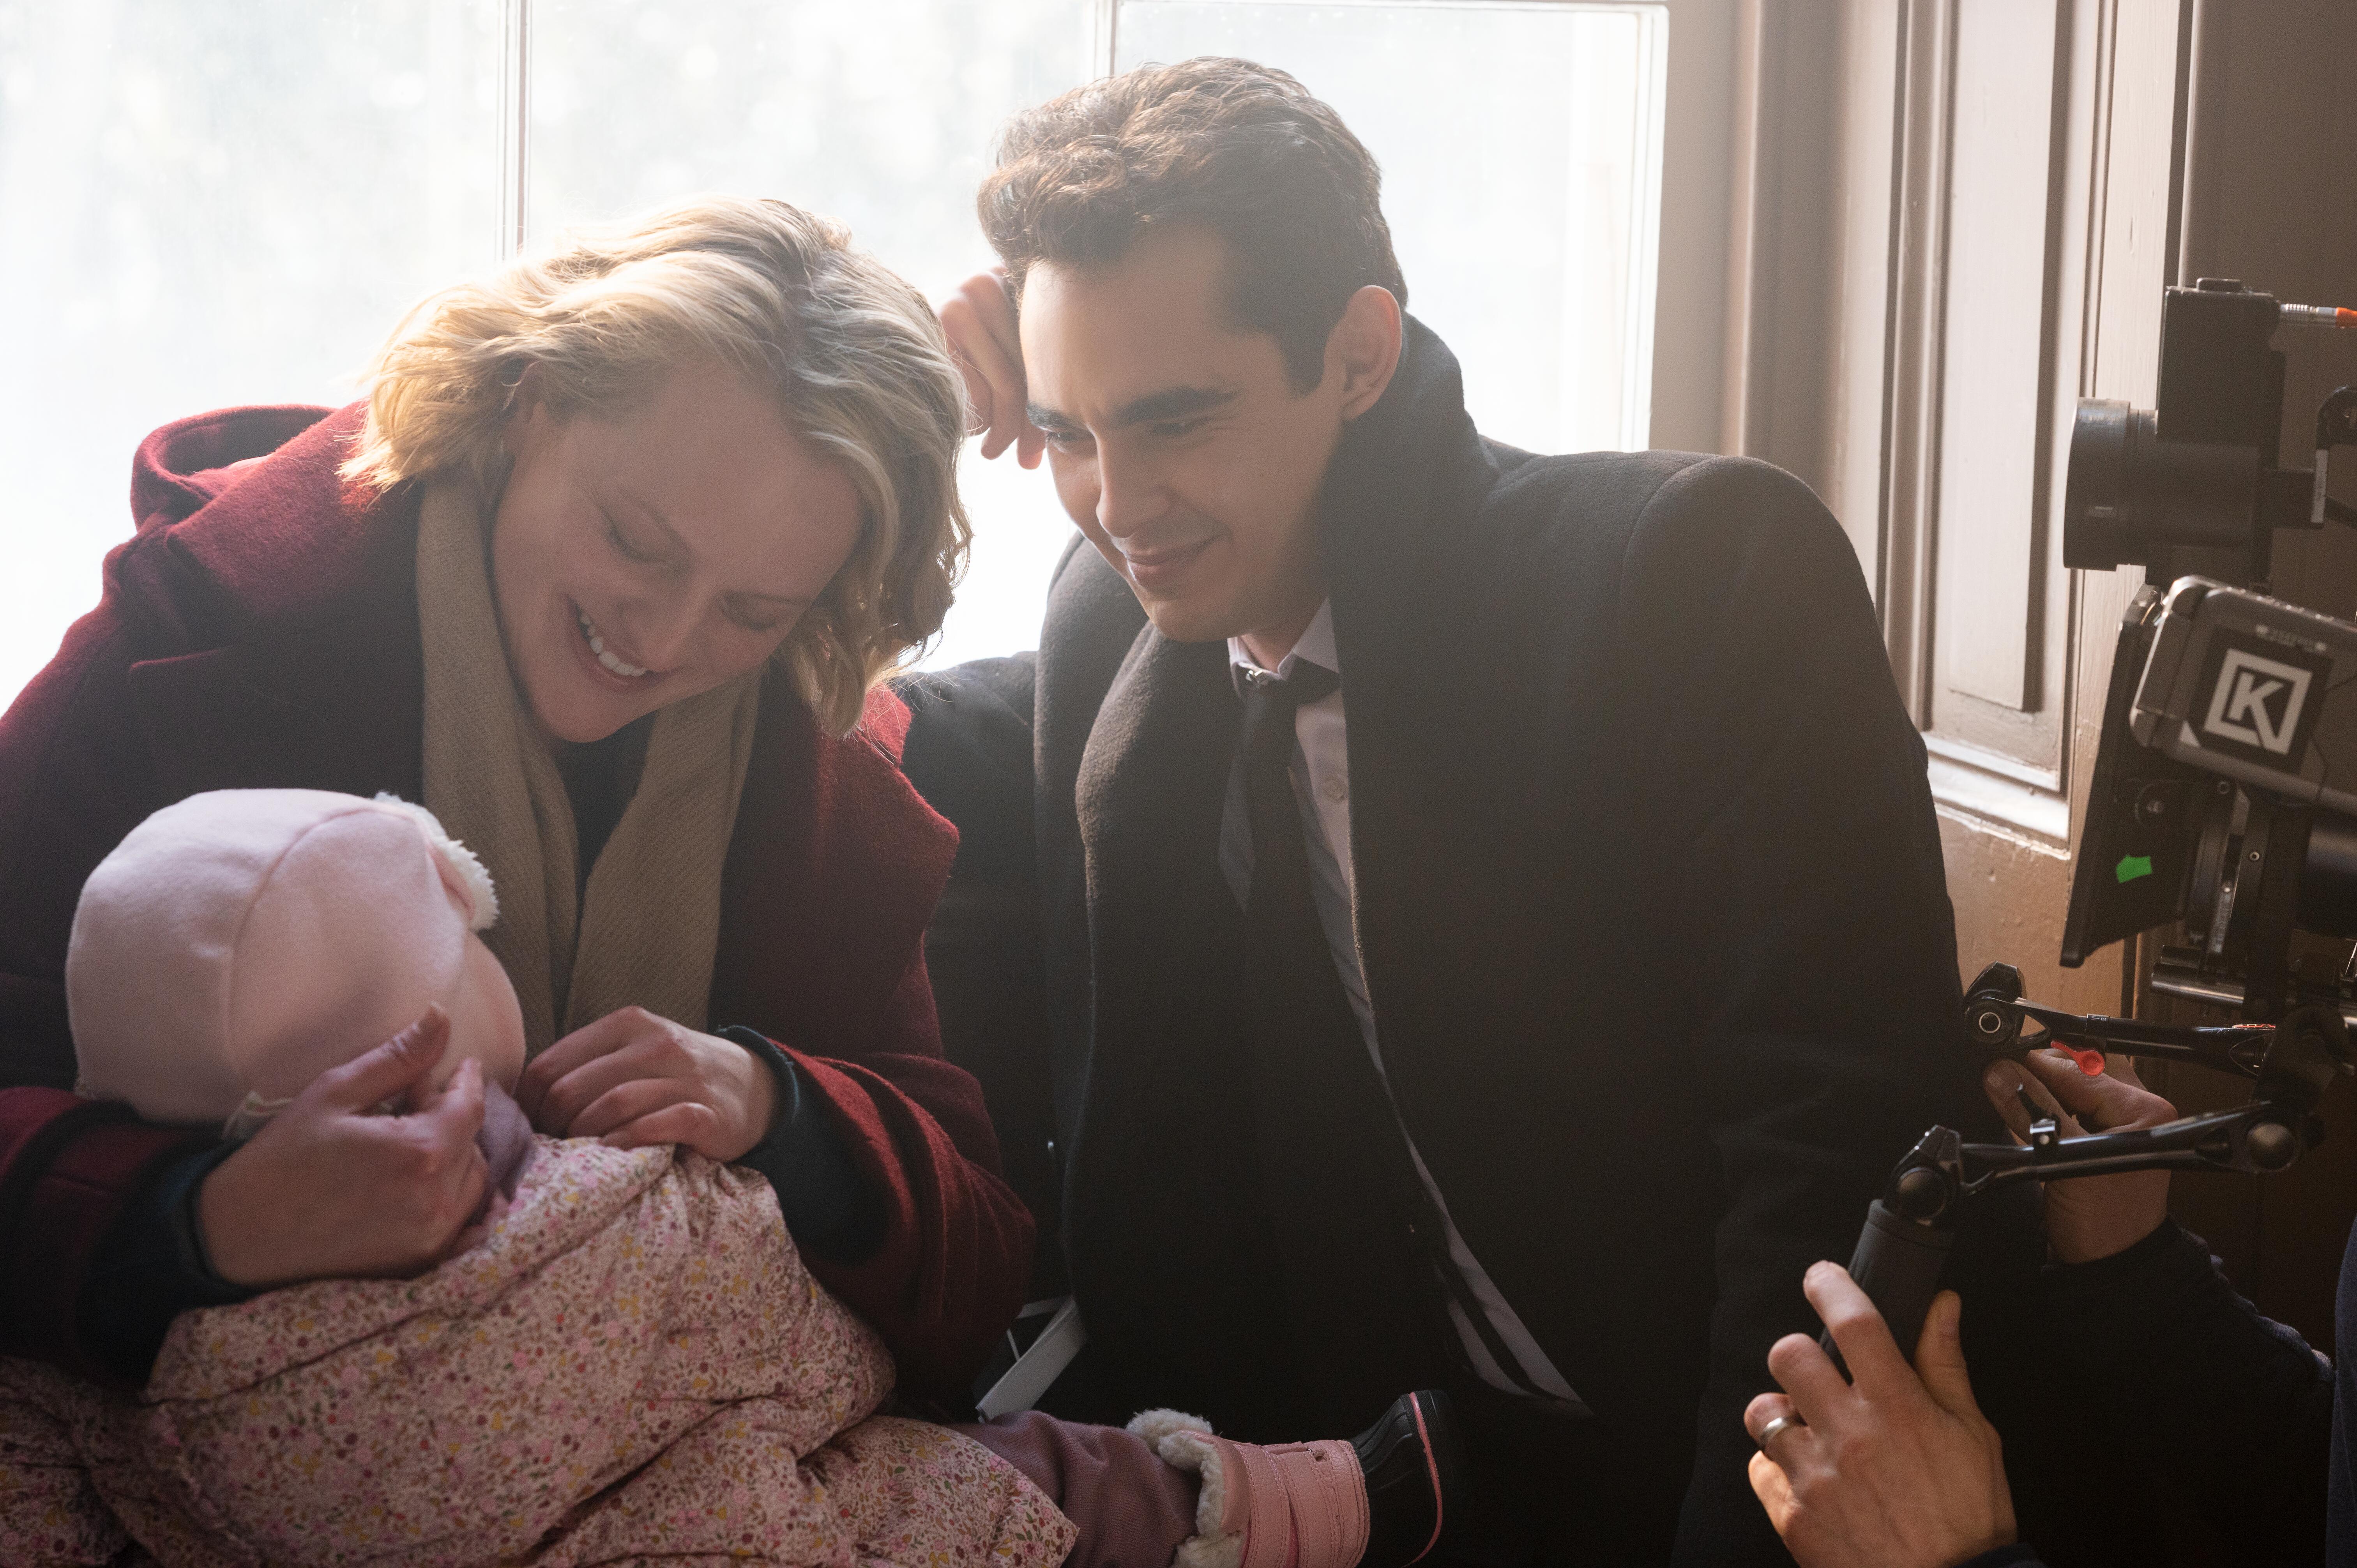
{"points": [[1768, 1433]]}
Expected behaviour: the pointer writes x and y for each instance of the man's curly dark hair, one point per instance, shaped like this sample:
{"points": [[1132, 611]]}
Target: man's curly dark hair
{"points": [[1240, 148]]}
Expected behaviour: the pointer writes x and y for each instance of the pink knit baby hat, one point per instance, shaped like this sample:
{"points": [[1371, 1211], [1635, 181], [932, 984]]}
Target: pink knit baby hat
{"points": [[240, 943]]}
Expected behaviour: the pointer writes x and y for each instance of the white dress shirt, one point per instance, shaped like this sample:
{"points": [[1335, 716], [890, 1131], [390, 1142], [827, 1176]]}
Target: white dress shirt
{"points": [[1322, 781]]}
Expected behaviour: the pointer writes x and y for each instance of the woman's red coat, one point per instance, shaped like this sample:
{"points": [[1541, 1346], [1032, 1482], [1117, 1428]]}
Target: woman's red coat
{"points": [[261, 629]]}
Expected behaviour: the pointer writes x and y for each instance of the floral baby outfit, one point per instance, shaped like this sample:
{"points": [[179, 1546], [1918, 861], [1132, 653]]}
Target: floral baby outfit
{"points": [[635, 1366]]}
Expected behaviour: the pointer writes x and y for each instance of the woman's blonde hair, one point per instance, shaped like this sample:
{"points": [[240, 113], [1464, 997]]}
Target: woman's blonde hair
{"points": [[853, 355]]}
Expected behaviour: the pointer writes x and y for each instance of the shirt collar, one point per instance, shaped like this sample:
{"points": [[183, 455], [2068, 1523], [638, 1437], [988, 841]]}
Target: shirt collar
{"points": [[1315, 647]]}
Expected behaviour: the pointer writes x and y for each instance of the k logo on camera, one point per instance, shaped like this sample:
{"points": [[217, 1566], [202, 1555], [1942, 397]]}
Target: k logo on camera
{"points": [[2262, 700]]}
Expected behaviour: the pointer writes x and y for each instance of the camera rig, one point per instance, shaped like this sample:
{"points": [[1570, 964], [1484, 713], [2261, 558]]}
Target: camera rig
{"points": [[2214, 799]]}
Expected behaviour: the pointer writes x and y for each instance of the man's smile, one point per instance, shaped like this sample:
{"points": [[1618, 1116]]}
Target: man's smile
{"points": [[1162, 565]]}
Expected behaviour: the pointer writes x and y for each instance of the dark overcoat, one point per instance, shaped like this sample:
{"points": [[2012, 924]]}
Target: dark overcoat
{"points": [[1652, 910]]}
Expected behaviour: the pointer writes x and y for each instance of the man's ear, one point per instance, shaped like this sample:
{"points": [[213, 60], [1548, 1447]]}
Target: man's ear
{"points": [[1364, 349]]}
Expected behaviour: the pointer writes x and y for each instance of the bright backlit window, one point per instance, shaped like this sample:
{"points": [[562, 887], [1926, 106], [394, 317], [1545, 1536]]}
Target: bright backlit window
{"points": [[1521, 146], [206, 203]]}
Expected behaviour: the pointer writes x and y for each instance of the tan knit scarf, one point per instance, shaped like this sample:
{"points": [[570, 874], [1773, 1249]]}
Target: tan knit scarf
{"points": [[644, 930]]}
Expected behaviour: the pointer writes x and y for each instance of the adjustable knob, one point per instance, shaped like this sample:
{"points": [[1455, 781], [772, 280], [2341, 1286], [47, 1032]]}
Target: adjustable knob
{"points": [[1920, 1194], [2272, 1144]]}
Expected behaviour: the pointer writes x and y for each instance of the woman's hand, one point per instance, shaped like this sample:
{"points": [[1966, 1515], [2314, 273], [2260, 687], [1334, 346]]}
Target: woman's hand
{"points": [[633, 1079], [2087, 1218], [1893, 1471], [979, 320], [330, 1189]]}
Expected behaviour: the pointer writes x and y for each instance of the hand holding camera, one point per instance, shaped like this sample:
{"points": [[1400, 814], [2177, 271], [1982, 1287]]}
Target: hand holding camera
{"points": [[2092, 1217], [1898, 1467]]}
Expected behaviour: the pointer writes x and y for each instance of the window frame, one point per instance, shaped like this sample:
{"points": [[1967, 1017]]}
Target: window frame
{"points": [[1686, 379]]}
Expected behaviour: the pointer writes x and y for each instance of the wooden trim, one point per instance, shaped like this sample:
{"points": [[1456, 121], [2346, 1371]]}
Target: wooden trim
{"points": [[1918, 295], [515, 125], [1690, 302], [1750, 254], [1105, 35]]}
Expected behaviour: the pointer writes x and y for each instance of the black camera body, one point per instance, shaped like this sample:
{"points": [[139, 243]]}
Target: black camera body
{"points": [[2215, 799]]}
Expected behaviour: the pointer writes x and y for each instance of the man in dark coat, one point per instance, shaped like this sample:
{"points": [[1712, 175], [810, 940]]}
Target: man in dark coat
{"points": [[1495, 930]]}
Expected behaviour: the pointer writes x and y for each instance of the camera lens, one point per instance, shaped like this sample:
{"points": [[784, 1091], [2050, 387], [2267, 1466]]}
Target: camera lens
{"points": [[2131, 494], [2328, 879]]}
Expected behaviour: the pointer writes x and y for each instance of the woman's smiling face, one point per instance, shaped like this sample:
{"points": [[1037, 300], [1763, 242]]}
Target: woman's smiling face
{"points": [[641, 559]]}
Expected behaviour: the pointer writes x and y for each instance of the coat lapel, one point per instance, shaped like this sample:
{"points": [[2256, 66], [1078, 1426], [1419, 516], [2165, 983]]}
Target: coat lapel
{"points": [[1478, 781], [1168, 1237], [1437, 859], [831, 839], [1151, 787]]}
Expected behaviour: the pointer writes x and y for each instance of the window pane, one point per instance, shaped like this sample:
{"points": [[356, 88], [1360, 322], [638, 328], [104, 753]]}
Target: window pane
{"points": [[206, 203], [1522, 176], [881, 114]]}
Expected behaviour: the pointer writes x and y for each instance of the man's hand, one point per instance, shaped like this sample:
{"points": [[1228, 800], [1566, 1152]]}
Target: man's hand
{"points": [[633, 1079], [330, 1189], [1894, 1471], [2087, 1218], [979, 320]]}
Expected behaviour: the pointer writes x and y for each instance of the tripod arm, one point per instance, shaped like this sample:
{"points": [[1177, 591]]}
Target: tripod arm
{"points": [[1903, 1245], [1995, 1022], [2257, 1136], [1996, 1013]]}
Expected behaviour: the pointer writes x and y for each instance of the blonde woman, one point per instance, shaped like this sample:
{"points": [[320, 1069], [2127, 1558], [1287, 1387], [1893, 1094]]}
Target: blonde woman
{"points": [[606, 570]]}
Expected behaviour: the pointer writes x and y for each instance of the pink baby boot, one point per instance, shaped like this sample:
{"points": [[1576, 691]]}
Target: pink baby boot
{"points": [[1307, 1505]]}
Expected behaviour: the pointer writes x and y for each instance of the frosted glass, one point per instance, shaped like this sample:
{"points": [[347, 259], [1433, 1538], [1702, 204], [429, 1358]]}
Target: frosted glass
{"points": [[206, 203], [881, 114], [214, 202], [1520, 150]]}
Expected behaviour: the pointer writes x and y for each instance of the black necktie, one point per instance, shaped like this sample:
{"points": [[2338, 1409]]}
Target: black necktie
{"points": [[1358, 1291], [1363, 1249]]}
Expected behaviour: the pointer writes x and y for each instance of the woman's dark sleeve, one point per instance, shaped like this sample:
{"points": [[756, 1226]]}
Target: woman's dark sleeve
{"points": [[2232, 1411], [151, 1267], [73, 1174], [837, 867], [828, 1207], [946, 1270], [78, 1180]]}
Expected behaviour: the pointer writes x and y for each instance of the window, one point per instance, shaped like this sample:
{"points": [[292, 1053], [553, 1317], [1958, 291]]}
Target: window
{"points": [[206, 203], [1521, 179]]}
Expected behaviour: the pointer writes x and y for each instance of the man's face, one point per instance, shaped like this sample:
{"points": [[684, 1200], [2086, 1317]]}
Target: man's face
{"points": [[1177, 441]]}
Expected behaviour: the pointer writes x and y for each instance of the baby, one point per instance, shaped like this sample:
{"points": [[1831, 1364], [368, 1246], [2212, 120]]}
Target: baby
{"points": [[632, 1360], [237, 945], [625, 1359]]}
